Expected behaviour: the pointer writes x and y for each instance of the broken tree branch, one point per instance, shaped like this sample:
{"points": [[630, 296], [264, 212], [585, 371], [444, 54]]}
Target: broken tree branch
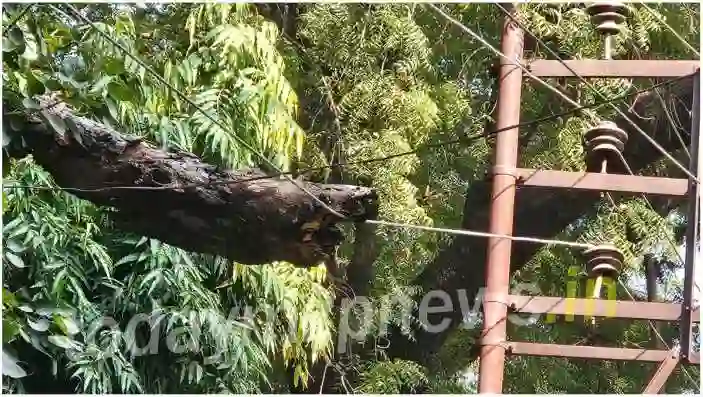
{"points": [[176, 198]]}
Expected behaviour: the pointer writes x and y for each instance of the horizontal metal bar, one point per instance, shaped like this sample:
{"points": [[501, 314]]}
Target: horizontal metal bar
{"points": [[662, 374], [599, 308], [613, 68], [633, 184], [587, 352]]}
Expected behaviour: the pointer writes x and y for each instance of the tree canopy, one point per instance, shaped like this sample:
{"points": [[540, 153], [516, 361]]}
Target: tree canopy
{"points": [[208, 271]]}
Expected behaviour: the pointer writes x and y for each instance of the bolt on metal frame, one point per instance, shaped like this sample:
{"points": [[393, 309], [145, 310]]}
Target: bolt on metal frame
{"points": [[507, 177]]}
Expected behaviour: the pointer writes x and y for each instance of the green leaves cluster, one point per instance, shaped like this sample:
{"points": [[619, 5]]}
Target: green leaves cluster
{"points": [[63, 255], [372, 80]]}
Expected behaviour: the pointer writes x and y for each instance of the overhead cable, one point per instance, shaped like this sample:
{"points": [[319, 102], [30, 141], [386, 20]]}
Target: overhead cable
{"points": [[194, 105], [473, 233], [554, 89], [466, 139]]}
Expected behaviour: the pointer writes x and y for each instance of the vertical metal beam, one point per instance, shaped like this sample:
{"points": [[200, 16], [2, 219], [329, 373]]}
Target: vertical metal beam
{"points": [[502, 211], [693, 221]]}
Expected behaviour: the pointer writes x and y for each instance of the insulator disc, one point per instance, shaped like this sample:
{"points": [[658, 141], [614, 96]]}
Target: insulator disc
{"points": [[604, 260], [608, 16]]}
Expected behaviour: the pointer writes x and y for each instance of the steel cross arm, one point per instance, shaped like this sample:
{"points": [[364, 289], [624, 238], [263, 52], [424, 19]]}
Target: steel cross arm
{"points": [[588, 352], [657, 311], [664, 370], [591, 68], [631, 184]]}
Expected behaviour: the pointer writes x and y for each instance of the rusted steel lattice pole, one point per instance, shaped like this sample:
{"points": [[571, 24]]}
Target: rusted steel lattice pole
{"points": [[504, 175], [693, 230]]}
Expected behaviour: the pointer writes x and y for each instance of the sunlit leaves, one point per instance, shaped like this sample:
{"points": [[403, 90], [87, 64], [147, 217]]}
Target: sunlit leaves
{"points": [[393, 377], [11, 367], [392, 76]]}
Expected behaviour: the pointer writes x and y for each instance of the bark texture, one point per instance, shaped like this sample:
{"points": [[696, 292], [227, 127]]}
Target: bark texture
{"points": [[176, 198]]}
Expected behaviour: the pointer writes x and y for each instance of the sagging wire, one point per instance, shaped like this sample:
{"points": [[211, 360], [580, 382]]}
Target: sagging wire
{"points": [[622, 158], [671, 29], [629, 170], [659, 335], [651, 140], [474, 233], [195, 106], [465, 139], [281, 173]]}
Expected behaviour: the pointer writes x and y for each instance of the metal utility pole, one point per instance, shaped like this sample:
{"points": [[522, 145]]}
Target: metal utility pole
{"points": [[502, 206], [604, 147]]}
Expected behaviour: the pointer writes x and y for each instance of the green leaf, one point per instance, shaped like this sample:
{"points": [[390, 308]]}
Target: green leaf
{"points": [[101, 84], [16, 36], [14, 246], [56, 123], [52, 84], [30, 103], [34, 86], [15, 260], [31, 52], [8, 298], [48, 311], [40, 325], [114, 67], [8, 45], [127, 259], [67, 325], [10, 329], [62, 341], [112, 108], [119, 91], [10, 367]]}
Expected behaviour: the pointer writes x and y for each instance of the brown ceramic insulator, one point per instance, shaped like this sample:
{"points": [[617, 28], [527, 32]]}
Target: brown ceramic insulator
{"points": [[608, 16], [604, 260], [605, 142]]}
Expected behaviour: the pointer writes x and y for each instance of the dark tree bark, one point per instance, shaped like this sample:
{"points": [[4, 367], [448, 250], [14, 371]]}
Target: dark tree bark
{"points": [[653, 273], [176, 198]]}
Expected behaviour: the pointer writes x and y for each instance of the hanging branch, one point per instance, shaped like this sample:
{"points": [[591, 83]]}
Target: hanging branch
{"points": [[176, 198]]}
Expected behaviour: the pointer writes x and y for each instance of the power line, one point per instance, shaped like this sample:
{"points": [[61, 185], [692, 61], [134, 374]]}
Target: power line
{"points": [[622, 158], [190, 102], [671, 29], [451, 231], [658, 334], [503, 56], [474, 233], [649, 204], [583, 80], [560, 60], [466, 139]]}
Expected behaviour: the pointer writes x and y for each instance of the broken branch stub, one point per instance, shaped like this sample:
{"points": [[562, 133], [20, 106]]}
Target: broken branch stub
{"points": [[176, 198]]}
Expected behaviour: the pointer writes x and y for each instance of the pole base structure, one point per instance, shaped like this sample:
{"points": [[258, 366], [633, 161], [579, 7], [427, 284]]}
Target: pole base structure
{"points": [[502, 210]]}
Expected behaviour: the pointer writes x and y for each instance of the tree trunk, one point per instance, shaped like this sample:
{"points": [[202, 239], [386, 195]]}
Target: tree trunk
{"points": [[174, 197], [653, 273]]}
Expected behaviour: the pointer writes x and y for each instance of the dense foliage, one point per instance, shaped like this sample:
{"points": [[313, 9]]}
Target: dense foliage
{"points": [[319, 84]]}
